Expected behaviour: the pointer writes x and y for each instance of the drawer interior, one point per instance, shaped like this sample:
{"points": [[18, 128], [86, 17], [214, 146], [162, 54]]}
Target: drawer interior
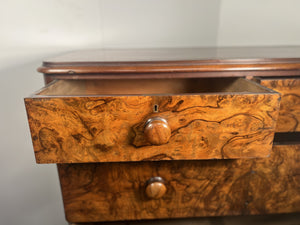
{"points": [[151, 87]]}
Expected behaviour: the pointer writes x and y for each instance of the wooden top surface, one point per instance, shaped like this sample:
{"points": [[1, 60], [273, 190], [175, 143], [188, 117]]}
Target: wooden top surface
{"points": [[175, 54], [174, 60]]}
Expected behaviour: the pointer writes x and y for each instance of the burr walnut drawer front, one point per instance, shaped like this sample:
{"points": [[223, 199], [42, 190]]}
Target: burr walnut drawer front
{"points": [[170, 189], [76, 121], [289, 113]]}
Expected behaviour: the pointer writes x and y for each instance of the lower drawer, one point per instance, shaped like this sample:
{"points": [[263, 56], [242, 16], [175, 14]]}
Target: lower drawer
{"points": [[116, 191]]}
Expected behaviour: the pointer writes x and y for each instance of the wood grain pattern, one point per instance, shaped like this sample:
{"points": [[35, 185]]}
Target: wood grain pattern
{"points": [[111, 128], [155, 188], [289, 114], [157, 131], [115, 191]]}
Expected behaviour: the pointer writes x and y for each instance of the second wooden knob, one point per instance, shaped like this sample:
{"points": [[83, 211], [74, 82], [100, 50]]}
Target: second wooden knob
{"points": [[157, 131], [155, 188]]}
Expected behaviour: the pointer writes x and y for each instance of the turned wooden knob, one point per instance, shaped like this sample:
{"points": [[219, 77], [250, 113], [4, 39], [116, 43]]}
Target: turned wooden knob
{"points": [[157, 131], [155, 188]]}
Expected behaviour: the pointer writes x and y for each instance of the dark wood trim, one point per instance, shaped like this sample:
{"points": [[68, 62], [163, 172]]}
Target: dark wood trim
{"points": [[167, 68], [175, 60], [277, 73], [288, 138]]}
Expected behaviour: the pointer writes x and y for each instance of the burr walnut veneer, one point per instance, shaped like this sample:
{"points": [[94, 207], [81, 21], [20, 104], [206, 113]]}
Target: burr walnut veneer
{"points": [[170, 133], [87, 123], [289, 120]]}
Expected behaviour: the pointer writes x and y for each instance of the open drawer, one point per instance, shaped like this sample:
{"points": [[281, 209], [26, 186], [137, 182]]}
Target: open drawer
{"points": [[76, 121]]}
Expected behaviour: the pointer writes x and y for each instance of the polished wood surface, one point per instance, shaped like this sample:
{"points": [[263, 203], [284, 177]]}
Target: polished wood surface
{"points": [[155, 188], [88, 121], [161, 55], [289, 114], [170, 69], [238, 122], [115, 191], [176, 60], [171, 75], [157, 131]]}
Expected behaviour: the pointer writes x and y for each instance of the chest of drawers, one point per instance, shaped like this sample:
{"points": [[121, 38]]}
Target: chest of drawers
{"points": [[170, 133]]}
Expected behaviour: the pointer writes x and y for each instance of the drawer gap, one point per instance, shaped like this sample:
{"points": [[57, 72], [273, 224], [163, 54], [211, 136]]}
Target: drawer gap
{"points": [[277, 77], [151, 87], [288, 138]]}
